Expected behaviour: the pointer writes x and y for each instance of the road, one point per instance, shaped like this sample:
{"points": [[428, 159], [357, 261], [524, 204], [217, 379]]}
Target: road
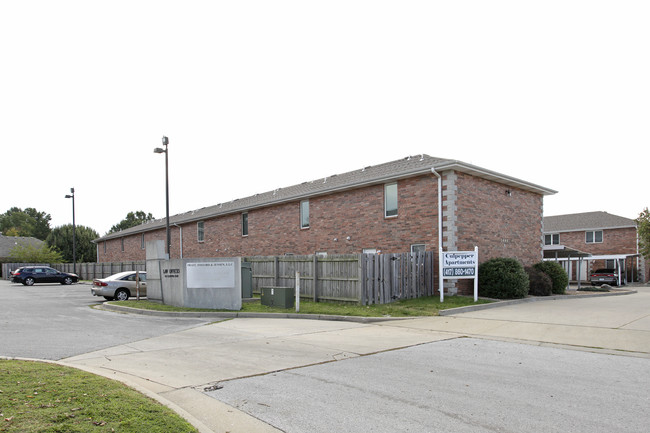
{"points": [[578, 365], [52, 321]]}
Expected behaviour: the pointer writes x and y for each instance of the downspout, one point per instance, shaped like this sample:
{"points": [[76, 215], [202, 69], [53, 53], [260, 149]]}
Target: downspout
{"points": [[180, 230], [440, 279]]}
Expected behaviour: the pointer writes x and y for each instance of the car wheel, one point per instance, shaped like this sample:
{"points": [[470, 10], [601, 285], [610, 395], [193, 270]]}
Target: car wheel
{"points": [[108, 298], [67, 281], [121, 295], [29, 281]]}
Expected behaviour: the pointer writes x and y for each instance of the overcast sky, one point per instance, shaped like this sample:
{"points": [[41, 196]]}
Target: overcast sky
{"points": [[256, 95]]}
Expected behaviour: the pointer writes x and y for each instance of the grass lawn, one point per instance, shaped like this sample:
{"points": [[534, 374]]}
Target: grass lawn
{"points": [[42, 397], [429, 306]]}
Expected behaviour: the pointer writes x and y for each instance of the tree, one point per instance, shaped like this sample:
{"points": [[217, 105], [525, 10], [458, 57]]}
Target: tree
{"points": [[132, 219], [643, 230], [61, 239], [28, 253], [30, 222]]}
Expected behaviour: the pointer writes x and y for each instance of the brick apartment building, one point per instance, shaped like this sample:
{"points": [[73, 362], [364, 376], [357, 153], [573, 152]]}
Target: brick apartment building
{"points": [[391, 207], [602, 239]]}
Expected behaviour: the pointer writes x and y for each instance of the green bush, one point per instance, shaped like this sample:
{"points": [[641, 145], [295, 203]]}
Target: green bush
{"points": [[502, 278], [556, 273], [540, 283]]}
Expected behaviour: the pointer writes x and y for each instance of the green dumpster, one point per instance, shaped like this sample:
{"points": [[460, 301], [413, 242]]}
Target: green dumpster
{"points": [[282, 297]]}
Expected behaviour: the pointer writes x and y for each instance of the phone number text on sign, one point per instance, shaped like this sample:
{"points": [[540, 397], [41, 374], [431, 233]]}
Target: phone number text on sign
{"points": [[458, 272]]}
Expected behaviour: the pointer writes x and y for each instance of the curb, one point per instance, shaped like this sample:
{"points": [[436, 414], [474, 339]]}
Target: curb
{"points": [[235, 315], [357, 319], [500, 303]]}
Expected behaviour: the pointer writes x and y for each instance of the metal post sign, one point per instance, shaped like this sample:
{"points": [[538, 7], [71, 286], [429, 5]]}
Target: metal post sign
{"points": [[459, 265]]}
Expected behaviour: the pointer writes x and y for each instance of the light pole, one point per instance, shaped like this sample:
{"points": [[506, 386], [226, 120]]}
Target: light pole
{"points": [[74, 233], [165, 142]]}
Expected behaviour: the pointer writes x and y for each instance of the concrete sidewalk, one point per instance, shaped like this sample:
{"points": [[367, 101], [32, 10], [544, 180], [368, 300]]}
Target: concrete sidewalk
{"points": [[177, 368]]}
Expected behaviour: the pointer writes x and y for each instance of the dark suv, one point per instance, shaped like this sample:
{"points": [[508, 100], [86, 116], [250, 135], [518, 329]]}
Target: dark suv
{"points": [[29, 275]]}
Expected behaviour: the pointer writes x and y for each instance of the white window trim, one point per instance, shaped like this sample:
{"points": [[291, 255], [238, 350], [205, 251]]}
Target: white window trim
{"points": [[386, 200], [423, 245], [593, 233], [302, 227], [200, 231], [244, 214], [552, 235]]}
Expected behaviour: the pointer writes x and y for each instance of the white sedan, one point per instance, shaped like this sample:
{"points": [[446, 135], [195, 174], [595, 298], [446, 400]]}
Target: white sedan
{"points": [[120, 286]]}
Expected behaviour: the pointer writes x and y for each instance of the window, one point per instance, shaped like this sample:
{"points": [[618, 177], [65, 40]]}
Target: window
{"points": [[244, 224], [304, 214], [142, 242], [200, 231], [122, 239], [390, 200], [553, 239], [104, 247], [418, 248], [595, 237]]}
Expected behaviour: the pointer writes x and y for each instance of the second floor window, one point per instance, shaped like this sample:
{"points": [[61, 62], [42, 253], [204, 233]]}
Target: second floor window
{"points": [[553, 239], [595, 237], [244, 224], [200, 231], [390, 200], [304, 214]]}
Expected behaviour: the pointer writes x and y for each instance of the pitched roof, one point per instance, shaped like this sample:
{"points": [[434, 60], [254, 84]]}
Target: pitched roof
{"points": [[7, 243], [386, 172], [585, 221]]}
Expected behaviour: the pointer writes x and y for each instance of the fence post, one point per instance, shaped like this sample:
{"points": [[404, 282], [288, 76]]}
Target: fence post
{"points": [[315, 274]]}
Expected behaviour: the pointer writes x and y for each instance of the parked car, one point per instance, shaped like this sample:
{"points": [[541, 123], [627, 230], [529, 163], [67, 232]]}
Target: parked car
{"points": [[30, 275], [604, 276], [120, 286]]}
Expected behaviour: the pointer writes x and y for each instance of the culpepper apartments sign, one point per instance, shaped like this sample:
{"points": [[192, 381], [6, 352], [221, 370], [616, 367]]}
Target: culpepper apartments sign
{"points": [[459, 265]]}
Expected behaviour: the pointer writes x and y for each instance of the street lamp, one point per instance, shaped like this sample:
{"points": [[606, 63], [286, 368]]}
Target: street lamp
{"points": [[165, 142], [74, 233]]}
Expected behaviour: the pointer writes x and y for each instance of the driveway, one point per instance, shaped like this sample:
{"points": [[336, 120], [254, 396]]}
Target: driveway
{"points": [[503, 369]]}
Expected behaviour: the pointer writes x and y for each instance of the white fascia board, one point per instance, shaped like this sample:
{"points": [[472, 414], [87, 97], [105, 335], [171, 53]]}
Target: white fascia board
{"points": [[494, 176]]}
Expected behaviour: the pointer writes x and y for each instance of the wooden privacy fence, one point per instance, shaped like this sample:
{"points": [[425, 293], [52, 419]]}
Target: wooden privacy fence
{"points": [[362, 278], [86, 271]]}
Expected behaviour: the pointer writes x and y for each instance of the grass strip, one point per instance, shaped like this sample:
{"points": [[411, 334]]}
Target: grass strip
{"points": [[49, 398], [426, 306]]}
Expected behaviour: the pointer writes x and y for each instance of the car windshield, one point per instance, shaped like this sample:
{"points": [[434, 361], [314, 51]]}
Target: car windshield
{"points": [[605, 271]]}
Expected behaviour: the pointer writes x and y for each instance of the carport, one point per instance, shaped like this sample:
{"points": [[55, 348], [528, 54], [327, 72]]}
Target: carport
{"points": [[567, 256]]}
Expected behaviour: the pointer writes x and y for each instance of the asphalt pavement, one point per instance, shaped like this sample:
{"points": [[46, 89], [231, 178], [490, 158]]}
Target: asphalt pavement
{"points": [[571, 365]]}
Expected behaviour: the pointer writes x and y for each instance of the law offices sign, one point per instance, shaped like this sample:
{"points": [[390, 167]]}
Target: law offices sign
{"points": [[459, 265]]}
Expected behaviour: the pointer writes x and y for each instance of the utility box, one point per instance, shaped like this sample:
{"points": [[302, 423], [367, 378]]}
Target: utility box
{"points": [[282, 297], [246, 280]]}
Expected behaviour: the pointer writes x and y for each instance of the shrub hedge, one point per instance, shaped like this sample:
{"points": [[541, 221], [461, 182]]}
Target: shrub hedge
{"points": [[540, 283], [556, 273], [502, 278]]}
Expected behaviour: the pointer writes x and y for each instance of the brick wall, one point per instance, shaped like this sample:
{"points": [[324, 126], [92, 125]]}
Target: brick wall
{"points": [[358, 214], [500, 224], [477, 212]]}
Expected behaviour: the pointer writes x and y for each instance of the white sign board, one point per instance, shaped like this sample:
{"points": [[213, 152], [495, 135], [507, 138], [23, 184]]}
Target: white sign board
{"points": [[458, 265], [209, 275]]}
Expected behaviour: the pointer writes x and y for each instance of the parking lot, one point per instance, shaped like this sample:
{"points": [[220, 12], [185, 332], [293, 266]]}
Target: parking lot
{"points": [[53, 321]]}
